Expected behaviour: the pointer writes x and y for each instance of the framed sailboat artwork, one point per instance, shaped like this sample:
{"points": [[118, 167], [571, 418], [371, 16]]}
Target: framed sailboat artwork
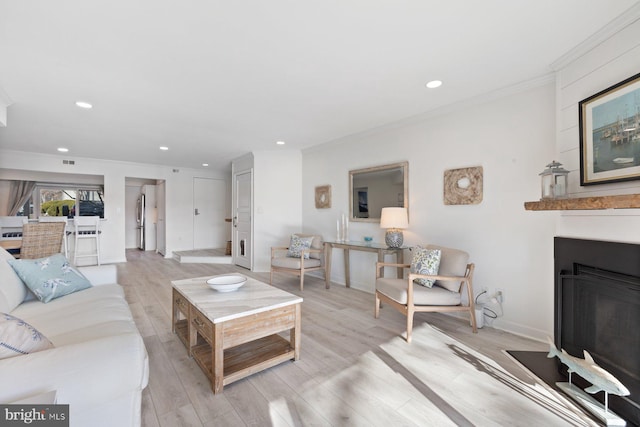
{"points": [[610, 134]]}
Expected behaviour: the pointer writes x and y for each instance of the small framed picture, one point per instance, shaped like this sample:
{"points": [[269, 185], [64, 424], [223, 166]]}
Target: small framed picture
{"points": [[323, 197], [463, 186], [610, 134]]}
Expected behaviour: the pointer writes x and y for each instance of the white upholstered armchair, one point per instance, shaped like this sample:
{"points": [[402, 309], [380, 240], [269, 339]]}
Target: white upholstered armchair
{"points": [[305, 253], [454, 276]]}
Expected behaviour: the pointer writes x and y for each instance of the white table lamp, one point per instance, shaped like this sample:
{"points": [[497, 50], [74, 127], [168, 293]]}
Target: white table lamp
{"points": [[394, 220]]}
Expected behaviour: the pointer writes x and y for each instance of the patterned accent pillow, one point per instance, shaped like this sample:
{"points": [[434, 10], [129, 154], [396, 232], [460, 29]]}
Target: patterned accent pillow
{"points": [[50, 277], [18, 337], [425, 261], [297, 244]]}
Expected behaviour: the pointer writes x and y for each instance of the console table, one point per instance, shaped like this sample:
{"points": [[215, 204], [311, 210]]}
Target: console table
{"points": [[380, 249]]}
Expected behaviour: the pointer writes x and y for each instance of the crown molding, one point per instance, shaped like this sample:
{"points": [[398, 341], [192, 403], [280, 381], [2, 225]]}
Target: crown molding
{"points": [[627, 18]]}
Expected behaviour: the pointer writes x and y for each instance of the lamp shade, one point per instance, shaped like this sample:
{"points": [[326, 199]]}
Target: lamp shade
{"points": [[394, 218]]}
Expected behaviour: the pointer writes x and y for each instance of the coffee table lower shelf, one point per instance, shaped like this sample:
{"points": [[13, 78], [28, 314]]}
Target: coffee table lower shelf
{"points": [[245, 359], [181, 328]]}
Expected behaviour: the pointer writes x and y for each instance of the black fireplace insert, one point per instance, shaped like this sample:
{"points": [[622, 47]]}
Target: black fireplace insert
{"points": [[597, 309]]}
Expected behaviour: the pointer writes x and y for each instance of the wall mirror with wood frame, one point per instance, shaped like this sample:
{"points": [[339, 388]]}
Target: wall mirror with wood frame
{"points": [[371, 189]]}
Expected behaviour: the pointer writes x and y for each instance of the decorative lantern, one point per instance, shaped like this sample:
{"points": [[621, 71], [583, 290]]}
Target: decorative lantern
{"points": [[554, 181]]}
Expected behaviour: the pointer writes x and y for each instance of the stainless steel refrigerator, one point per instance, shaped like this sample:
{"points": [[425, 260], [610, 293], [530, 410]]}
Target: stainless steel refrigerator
{"points": [[140, 222]]}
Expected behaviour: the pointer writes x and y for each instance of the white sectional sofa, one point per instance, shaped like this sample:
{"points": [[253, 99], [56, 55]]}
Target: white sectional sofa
{"points": [[98, 364]]}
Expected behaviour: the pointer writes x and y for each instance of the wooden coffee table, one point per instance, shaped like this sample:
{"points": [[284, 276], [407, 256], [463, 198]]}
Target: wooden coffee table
{"points": [[232, 335]]}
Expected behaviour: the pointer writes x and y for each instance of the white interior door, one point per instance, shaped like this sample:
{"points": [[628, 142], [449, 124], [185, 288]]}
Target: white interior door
{"points": [[208, 213], [242, 242]]}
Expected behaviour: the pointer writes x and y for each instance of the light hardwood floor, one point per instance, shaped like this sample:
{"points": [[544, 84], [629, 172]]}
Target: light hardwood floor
{"points": [[338, 328]]}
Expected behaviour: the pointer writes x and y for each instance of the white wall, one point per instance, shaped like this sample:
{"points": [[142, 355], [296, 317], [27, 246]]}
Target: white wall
{"points": [[5, 187], [579, 76], [277, 183], [179, 194], [512, 138], [5, 101]]}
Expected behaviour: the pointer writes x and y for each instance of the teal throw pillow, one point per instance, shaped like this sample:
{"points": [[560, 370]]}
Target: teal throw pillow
{"points": [[50, 277], [425, 261], [298, 244]]}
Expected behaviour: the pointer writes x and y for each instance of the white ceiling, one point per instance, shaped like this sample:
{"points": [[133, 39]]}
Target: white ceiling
{"points": [[213, 80]]}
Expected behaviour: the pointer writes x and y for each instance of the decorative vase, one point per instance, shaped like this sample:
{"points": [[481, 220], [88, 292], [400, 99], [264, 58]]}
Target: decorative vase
{"points": [[342, 228]]}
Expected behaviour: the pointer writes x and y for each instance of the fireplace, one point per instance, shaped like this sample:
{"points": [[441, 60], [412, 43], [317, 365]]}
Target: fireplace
{"points": [[597, 308]]}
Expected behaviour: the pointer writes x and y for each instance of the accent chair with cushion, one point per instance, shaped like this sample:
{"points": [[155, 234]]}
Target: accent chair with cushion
{"points": [[434, 283], [67, 233], [304, 254]]}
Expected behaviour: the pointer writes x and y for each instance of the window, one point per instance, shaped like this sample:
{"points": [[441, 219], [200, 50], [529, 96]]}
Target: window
{"points": [[90, 203], [27, 208], [70, 201]]}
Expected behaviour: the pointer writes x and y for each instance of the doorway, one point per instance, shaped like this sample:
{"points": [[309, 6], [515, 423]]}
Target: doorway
{"points": [[161, 245], [133, 188]]}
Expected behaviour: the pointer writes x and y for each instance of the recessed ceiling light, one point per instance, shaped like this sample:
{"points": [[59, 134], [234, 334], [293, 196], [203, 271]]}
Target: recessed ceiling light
{"points": [[63, 150], [83, 104], [434, 84], [164, 148], [280, 142], [205, 164]]}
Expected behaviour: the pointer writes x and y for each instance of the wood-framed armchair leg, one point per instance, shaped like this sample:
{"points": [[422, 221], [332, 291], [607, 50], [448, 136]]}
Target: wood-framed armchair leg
{"points": [[472, 314], [302, 280], [472, 308], [410, 313], [376, 310]]}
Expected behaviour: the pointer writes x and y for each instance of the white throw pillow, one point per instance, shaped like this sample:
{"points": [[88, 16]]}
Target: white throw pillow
{"points": [[12, 290], [17, 337]]}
